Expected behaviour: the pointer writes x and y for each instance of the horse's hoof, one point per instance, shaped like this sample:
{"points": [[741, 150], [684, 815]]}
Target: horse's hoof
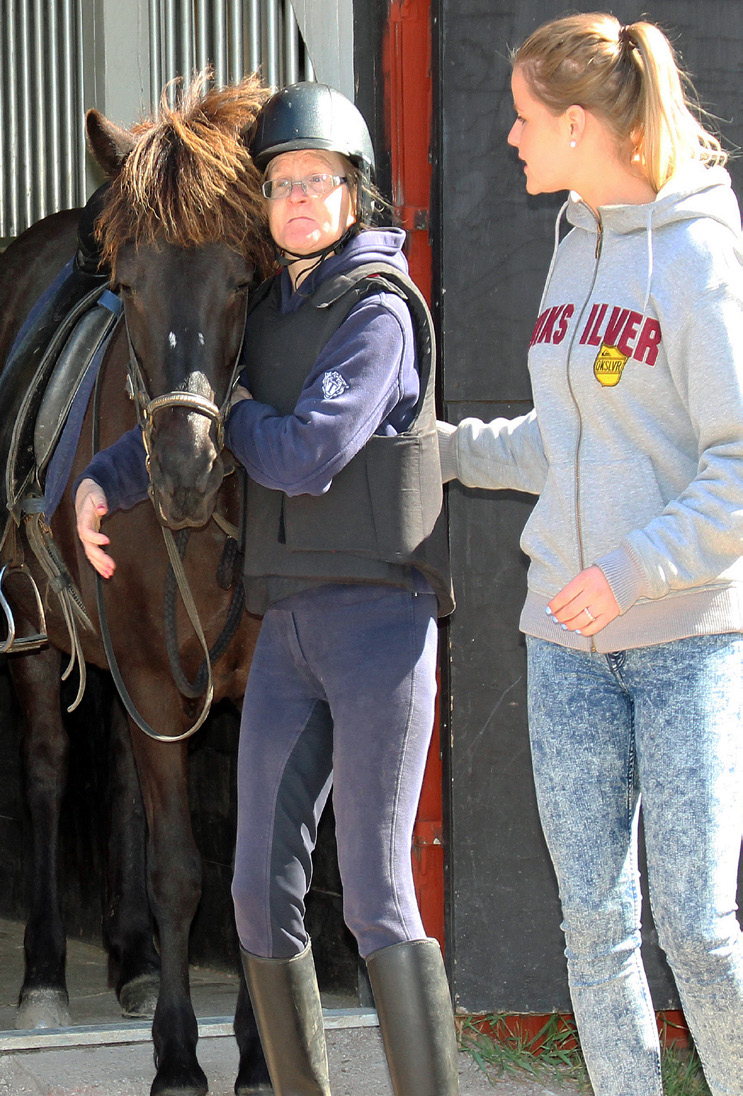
{"points": [[252, 1075], [180, 1082], [43, 1008], [253, 1081], [174, 1089], [138, 997]]}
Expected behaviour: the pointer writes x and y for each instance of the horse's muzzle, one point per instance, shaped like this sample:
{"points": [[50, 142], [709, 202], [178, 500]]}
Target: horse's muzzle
{"points": [[184, 507]]}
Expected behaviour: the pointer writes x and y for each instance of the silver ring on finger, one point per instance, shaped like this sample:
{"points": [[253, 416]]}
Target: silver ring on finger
{"points": [[590, 615]]}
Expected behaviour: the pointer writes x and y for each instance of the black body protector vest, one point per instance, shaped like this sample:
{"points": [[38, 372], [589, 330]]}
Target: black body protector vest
{"points": [[382, 514]]}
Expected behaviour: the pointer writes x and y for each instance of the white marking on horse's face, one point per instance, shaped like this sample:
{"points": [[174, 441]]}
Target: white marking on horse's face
{"points": [[172, 340], [197, 382]]}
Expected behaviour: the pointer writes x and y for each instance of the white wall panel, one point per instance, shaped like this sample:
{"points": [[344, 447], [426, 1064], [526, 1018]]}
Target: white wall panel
{"points": [[327, 29]]}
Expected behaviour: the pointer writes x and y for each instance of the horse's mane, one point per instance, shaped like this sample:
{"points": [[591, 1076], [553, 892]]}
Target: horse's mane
{"points": [[189, 180]]}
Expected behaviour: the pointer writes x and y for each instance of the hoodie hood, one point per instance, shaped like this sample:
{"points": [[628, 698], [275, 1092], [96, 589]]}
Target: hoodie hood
{"points": [[368, 246], [695, 191]]}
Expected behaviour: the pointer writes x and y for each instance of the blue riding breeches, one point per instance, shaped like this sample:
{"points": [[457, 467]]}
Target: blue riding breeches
{"points": [[341, 692]]}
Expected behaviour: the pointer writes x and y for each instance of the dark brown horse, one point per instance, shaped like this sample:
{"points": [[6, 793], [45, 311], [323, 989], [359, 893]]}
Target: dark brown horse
{"points": [[185, 236]]}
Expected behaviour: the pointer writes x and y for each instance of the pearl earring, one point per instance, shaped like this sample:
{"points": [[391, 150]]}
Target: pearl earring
{"points": [[573, 144]]}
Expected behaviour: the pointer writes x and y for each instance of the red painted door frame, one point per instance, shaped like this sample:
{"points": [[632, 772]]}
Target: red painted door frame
{"points": [[408, 110]]}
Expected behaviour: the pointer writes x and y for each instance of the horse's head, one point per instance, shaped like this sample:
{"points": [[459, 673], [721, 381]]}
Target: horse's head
{"points": [[184, 230]]}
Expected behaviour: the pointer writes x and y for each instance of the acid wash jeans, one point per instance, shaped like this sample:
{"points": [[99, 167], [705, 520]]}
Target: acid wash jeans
{"points": [[665, 724]]}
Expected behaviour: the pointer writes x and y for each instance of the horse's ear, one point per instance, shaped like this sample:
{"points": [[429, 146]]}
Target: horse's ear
{"points": [[109, 143]]}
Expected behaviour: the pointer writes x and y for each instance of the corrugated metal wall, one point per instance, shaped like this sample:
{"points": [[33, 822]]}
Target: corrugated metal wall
{"points": [[46, 52], [235, 36], [42, 152]]}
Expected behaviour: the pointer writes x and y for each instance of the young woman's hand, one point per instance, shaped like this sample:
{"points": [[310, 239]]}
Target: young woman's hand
{"points": [[586, 604], [90, 506]]}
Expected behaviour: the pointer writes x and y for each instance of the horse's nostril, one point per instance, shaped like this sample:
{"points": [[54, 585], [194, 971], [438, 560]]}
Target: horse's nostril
{"points": [[184, 506]]}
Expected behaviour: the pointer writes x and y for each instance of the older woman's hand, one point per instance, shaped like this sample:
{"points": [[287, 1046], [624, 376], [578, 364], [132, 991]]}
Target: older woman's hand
{"points": [[239, 392], [90, 506]]}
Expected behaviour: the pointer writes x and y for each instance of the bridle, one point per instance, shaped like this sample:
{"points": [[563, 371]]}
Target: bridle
{"points": [[147, 407]]}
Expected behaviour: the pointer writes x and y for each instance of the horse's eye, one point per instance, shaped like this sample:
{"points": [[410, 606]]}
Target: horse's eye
{"points": [[246, 281]]}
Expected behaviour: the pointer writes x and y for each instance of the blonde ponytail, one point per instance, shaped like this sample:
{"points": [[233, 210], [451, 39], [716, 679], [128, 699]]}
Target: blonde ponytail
{"points": [[629, 77], [670, 134]]}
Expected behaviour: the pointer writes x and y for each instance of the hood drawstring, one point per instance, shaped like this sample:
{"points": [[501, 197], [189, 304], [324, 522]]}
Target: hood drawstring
{"points": [[650, 260], [287, 258], [553, 260], [649, 232]]}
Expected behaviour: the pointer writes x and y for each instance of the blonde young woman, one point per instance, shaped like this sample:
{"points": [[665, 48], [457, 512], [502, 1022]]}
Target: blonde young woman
{"points": [[634, 610]]}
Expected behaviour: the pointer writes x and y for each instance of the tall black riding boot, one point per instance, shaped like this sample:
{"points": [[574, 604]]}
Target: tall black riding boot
{"points": [[415, 1018], [287, 1007]]}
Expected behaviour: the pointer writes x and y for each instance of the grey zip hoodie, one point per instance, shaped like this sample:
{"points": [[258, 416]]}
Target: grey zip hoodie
{"points": [[635, 443]]}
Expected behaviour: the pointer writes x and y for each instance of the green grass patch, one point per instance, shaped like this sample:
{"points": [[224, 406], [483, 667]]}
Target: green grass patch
{"points": [[682, 1073], [504, 1045]]}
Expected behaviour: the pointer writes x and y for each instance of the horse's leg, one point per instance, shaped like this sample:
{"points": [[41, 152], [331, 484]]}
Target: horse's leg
{"points": [[134, 965], [43, 1000], [174, 878]]}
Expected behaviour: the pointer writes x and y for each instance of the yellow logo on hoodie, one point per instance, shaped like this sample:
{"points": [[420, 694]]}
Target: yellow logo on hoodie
{"points": [[607, 369]]}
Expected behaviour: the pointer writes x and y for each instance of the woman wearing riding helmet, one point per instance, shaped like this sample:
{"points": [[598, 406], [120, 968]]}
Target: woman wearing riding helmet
{"points": [[333, 419]]}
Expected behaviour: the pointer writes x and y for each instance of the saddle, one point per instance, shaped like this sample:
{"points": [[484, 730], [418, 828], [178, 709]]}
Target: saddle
{"points": [[44, 390]]}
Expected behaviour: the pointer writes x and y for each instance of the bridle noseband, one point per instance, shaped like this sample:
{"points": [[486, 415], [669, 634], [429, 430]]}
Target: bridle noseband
{"points": [[193, 402], [147, 406]]}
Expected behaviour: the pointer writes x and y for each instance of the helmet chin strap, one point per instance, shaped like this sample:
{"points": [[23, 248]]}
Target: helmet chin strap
{"points": [[288, 258]]}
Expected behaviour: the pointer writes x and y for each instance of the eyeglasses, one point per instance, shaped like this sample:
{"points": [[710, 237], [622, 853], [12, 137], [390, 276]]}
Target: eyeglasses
{"points": [[313, 186]]}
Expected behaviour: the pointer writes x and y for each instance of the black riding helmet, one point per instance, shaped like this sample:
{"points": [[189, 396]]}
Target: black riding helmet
{"points": [[311, 115]]}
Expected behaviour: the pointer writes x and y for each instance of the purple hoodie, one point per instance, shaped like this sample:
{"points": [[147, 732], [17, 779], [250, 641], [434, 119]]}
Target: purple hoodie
{"points": [[363, 382]]}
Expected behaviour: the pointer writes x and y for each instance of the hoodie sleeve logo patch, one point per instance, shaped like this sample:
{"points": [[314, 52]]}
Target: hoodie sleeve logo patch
{"points": [[333, 385]]}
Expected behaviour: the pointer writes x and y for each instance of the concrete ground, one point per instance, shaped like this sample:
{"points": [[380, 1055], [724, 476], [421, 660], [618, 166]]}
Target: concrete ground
{"points": [[102, 1055], [357, 1068]]}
